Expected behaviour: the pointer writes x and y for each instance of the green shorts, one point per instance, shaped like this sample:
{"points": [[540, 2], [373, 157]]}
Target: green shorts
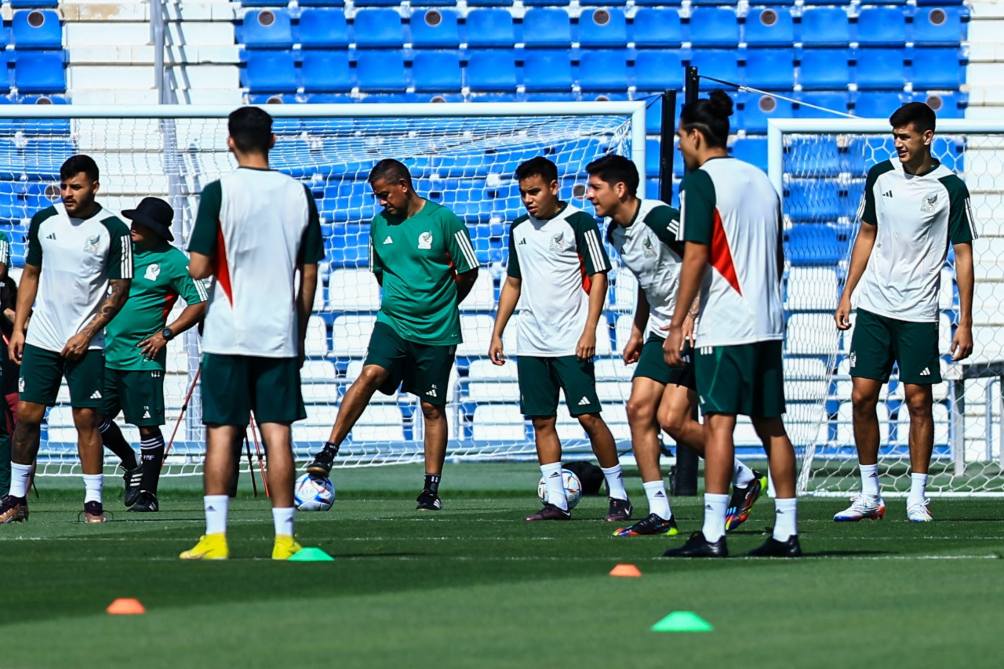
{"points": [[652, 365], [539, 381], [235, 385], [419, 369], [137, 393], [878, 341], [746, 379], [43, 370]]}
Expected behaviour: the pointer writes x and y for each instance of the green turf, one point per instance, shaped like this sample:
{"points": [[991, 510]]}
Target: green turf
{"points": [[474, 586]]}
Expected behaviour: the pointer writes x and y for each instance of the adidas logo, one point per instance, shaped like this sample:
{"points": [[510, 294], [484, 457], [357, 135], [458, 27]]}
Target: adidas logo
{"points": [[96, 395], [388, 240], [522, 242], [660, 494], [926, 372], [584, 401], [146, 414], [554, 475], [888, 193], [431, 392], [51, 235]]}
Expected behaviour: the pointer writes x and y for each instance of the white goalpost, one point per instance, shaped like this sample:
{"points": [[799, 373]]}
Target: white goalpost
{"points": [[819, 166]]}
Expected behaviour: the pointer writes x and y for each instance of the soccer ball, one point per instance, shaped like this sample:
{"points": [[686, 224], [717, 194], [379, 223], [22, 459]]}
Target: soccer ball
{"points": [[313, 494], [573, 488]]}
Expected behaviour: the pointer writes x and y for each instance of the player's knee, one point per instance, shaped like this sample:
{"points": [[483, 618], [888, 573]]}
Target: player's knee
{"points": [[672, 422], [30, 414], [544, 423], [919, 407], [863, 402], [640, 412], [85, 419], [590, 422], [372, 376], [432, 412]]}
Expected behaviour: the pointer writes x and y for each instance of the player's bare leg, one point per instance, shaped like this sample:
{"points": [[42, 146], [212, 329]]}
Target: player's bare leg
{"points": [[783, 542], [869, 504], [545, 436], [919, 402], [89, 449], [24, 448], [436, 433]]}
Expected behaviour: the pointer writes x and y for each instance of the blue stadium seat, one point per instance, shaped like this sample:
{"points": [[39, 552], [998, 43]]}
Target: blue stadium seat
{"points": [[657, 28], [947, 104], [717, 63], [322, 28], [936, 68], [839, 102], [851, 198], [714, 26], [547, 70], [603, 28], [17, 4], [814, 244], [378, 28], [490, 28], [938, 26], [877, 105], [326, 71], [492, 70], [756, 109], [435, 28], [658, 70], [652, 156], [603, 70], [379, 71], [825, 26], [813, 200], [315, 3], [769, 26], [547, 28], [770, 69], [377, 3], [880, 68], [822, 69], [813, 157], [753, 150], [489, 3], [881, 26], [437, 71], [37, 29], [642, 3], [39, 71]]}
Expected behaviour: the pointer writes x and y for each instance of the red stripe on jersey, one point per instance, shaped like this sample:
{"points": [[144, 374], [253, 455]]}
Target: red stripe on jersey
{"points": [[222, 270], [721, 256], [169, 301], [587, 282]]}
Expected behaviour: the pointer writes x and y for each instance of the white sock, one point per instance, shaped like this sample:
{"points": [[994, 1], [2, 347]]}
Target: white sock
{"points": [[658, 500], [869, 480], [615, 481], [19, 477], [92, 487], [555, 486], [742, 475], [714, 516], [283, 520], [918, 489], [785, 518], [216, 513]]}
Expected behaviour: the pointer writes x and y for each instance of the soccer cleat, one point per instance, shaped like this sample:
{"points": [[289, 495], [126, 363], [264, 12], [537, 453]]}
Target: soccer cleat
{"points": [[285, 547], [13, 509], [743, 500], [919, 513], [93, 513], [699, 547], [209, 547], [862, 506], [549, 512], [651, 524], [321, 466], [145, 503], [781, 549], [619, 510], [133, 477], [428, 501]]}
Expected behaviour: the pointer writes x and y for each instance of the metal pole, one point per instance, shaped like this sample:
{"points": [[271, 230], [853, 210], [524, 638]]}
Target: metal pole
{"points": [[157, 28]]}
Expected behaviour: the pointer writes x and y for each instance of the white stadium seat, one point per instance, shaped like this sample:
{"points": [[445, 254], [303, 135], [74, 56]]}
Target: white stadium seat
{"points": [[488, 382], [350, 335], [317, 370], [805, 379], [317, 337], [812, 288], [613, 369], [353, 290], [477, 331], [482, 296], [498, 422], [379, 423], [625, 289], [811, 334]]}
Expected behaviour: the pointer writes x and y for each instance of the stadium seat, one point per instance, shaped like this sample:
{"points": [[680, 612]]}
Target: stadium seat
{"points": [[881, 26], [39, 71], [652, 158], [837, 102], [752, 150], [603, 70], [813, 199], [37, 29], [824, 69], [350, 335], [770, 69], [378, 28], [490, 28], [547, 70], [494, 422], [326, 71], [489, 382], [18, 4], [811, 288], [714, 27], [437, 71], [482, 295], [769, 26], [381, 71], [603, 28], [316, 343], [435, 28], [305, 3], [825, 26], [269, 72], [936, 69], [379, 424], [755, 109], [317, 370], [322, 28], [717, 63], [477, 332], [658, 70], [938, 26], [880, 68], [659, 28], [948, 104], [813, 244], [547, 28], [811, 334], [492, 71], [876, 105], [804, 378]]}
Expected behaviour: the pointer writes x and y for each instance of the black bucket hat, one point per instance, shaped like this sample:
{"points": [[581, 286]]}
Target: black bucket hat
{"points": [[155, 214]]}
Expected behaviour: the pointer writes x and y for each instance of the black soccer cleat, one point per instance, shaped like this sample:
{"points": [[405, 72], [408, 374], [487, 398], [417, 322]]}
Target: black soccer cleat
{"points": [[13, 509], [428, 501], [323, 461], [133, 478], [742, 501], [145, 503], [652, 524], [699, 547], [779, 549], [619, 510], [549, 512]]}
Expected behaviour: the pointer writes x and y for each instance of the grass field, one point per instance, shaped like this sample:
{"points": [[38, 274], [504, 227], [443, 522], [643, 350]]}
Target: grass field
{"points": [[474, 586]]}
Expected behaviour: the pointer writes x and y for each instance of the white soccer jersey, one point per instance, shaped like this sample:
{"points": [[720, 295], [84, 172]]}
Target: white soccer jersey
{"points": [[554, 258], [731, 207], [77, 257], [258, 226], [650, 247], [917, 216]]}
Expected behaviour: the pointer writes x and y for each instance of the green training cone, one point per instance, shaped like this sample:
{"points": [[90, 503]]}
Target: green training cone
{"points": [[682, 621], [311, 554]]}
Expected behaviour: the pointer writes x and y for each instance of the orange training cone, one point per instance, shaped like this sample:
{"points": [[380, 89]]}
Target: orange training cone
{"points": [[625, 570], [126, 606]]}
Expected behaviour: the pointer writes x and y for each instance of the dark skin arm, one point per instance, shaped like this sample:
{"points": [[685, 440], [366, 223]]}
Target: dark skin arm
{"points": [[465, 282], [191, 315], [25, 299], [118, 292]]}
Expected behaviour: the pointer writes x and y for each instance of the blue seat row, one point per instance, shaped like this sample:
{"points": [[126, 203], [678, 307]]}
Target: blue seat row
{"points": [[553, 3], [33, 29], [35, 71]]}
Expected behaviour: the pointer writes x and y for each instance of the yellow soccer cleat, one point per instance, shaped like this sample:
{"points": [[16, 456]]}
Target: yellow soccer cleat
{"points": [[210, 547], [285, 547]]}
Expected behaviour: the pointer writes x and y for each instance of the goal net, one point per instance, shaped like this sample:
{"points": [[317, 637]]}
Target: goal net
{"points": [[820, 167], [462, 156]]}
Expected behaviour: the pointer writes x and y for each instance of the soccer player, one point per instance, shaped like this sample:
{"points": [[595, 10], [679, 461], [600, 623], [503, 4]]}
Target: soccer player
{"points": [[913, 208], [76, 274], [646, 235], [557, 248], [422, 257], [255, 227], [8, 369], [733, 255], [136, 343]]}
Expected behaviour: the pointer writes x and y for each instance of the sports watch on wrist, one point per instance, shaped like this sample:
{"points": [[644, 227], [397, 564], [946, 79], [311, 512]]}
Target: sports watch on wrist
{"points": [[167, 334]]}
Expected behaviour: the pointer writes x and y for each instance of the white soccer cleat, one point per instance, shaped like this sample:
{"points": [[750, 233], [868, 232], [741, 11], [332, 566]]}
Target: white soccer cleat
{"points": [[862, 507], [918, 513]]}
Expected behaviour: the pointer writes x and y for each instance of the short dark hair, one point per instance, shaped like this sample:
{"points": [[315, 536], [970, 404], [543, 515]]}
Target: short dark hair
{"points": [[539, 166], [76, 164], [919, 114], [613, 169], [710, 116], [389, 169], [251, 129]]}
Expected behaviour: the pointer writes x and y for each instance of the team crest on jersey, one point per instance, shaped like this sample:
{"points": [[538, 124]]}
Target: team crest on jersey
{"points": [[92, 244], [648, 248], [929, 203], [557, 241], [425, 240], [152, 272]]}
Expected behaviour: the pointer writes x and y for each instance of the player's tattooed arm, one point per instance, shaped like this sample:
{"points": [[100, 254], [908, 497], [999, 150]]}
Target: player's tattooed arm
{"points": [[115, 298]]}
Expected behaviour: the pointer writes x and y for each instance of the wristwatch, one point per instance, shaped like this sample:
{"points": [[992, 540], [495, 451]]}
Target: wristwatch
{"points": [[167, 334]]}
